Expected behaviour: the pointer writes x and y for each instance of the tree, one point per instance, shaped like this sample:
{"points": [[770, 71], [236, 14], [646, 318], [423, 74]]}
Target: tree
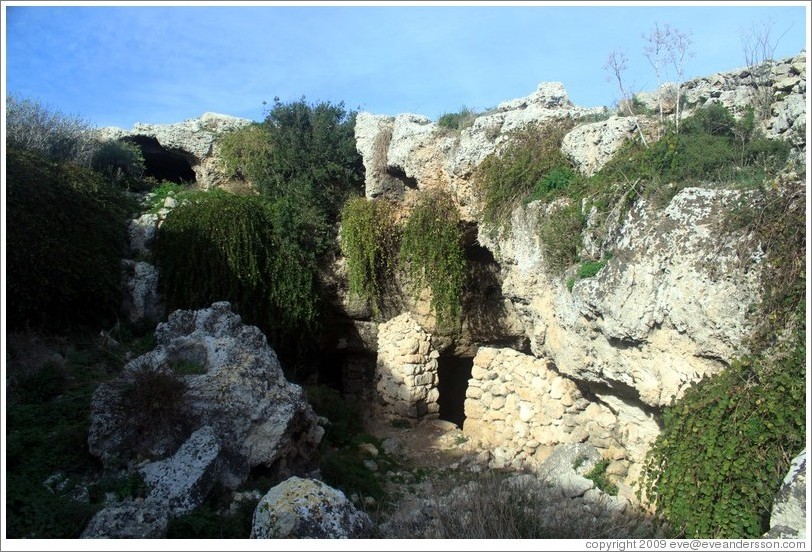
{"points": [[616, 64], [759, 51], [656, 51], [678, 46]]}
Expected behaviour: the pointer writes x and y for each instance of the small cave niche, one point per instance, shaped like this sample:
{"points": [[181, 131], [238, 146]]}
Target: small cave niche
{"points": [[400, 175], [453, 373], [163, 164]]}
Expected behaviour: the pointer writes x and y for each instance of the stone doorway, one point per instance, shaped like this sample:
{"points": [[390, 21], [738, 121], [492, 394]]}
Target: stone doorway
{"points": [[453, 373]]}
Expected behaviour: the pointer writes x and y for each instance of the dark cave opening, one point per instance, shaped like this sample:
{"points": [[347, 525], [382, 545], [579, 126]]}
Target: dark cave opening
{"points": [[453, 373], [163, 164]]}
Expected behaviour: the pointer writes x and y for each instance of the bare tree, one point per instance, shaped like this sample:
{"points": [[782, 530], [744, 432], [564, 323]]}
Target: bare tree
{"points": [[32, 126], [678, 49], [656, 52], [759, 47], [616, 64]]}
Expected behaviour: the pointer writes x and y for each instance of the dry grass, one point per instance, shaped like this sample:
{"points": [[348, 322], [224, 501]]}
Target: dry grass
{"points": [[494, 506]]}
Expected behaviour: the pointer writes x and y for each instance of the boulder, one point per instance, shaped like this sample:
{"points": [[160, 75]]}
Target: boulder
{"points": [[788, 517], [141, 300], [307, 509], [130, 519], [592, 145], [257, 416], [180, 484]]}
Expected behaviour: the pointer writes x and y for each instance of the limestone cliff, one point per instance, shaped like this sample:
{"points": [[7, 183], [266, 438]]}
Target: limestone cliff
{"points": [[673, 303]]}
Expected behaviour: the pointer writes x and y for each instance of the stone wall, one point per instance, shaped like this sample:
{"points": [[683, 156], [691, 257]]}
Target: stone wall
{"points": [[406, 371], [519, 407]]}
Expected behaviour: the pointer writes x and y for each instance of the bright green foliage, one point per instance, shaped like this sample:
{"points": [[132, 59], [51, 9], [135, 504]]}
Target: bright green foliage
{"points": [[719, 461], [557, 179], [218, 246], [368, 240], [120, 162], [560, 234], [457, 121], [588, 269], [531, 163], [598, 476], [66, 236], [432, 252]]}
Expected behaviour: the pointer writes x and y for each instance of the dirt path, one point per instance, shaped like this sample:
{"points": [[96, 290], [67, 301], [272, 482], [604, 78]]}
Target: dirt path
{"points": [[428, 444]]}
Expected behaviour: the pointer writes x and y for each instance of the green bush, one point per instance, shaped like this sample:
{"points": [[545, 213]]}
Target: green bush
{"points": [[368, 239], [300, 149], [120, 162], [712, 146], [432, 253], [457, 121], [522, 168], [217, 246], [66, 236], [588, 269], [558, 178], [725, 446], [598, 476]]}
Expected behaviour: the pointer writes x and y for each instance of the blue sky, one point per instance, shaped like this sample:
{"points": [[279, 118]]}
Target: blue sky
{"points": [[121, 64]]}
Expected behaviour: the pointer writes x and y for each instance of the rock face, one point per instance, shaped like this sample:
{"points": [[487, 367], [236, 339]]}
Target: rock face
{"points": [[592, 145], [193, 139], [257, 416], [307, 509], [788, 519], [409, 152], [672, 302]]}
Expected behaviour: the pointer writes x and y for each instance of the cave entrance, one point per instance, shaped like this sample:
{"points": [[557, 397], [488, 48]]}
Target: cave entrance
{"points": [[163, 164], [453, 373]]}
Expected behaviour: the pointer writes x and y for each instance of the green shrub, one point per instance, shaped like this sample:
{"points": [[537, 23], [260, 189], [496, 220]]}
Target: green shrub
{"points": [[457, 121], [244, 152], [588, 269], [725, 446], [505, 179], [598, 476], [310, 151], [560, 234], [66, 236], [121, 162], [432, 253], [368, 239], [558, 178], [712, 146], [218, 246]]}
